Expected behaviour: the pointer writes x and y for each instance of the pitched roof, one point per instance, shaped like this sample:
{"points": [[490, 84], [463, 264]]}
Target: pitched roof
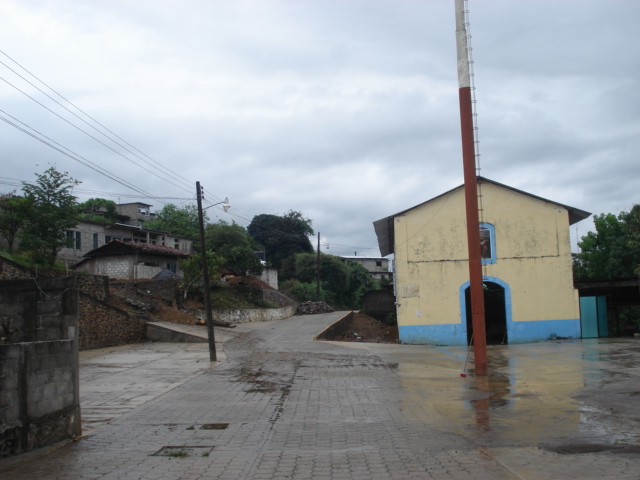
{"points": [[384, 226], [118, 247]]}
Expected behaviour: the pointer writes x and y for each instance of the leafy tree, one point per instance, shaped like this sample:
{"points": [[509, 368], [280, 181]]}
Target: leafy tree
{"points": [[342, 284], [192, 270], [613, 250], [14, 215], [53, 212], [281, 236], [98, 210], [182, 221], [234, 245]]}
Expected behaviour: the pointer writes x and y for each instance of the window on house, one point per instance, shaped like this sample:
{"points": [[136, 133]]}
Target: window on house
{"points": [[172, 267], [378, 263], [95, 240], [74, 239], [487, 243]]}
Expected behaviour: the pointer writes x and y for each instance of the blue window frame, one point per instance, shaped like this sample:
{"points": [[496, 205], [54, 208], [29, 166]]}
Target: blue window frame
{"points": [[487, 243]]}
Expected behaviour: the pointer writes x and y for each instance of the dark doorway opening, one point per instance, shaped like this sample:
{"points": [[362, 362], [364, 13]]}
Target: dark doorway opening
{"points": [[495, 314]]}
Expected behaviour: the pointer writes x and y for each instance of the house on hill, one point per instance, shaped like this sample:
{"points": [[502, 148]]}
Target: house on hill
{"points": [[527, 268], [378, 267], [131, 260]]}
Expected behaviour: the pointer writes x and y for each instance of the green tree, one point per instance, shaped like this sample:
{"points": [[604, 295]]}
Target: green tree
{"points": [[14, 215], [53, 212], [613, 249], [192, 270], [234, 245], [98, 210], [182, 221], [281, 236], [342, 284]]}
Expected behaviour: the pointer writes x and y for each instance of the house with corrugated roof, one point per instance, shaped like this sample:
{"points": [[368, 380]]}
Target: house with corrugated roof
{"points": [[527, 267]]}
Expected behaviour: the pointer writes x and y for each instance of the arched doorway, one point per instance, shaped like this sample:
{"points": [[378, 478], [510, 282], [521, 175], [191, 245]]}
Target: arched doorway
{"points": [[495, 313]]}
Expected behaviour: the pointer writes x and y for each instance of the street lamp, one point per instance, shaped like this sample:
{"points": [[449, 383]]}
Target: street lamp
{"points": [[205, 272], [225, 207]]}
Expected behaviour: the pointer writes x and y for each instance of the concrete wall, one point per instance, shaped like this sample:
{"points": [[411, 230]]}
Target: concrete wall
{"points": [[100, 324], [39, 381], [270, 276], [532, 263], [254, 315]]}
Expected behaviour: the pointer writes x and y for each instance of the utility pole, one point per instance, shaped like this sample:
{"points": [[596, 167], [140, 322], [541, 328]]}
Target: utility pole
{"points": [[471, 192], [205, 272], [318, 271]]}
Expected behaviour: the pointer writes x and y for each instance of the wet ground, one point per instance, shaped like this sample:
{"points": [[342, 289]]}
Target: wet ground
{"points": [[280, 405]]}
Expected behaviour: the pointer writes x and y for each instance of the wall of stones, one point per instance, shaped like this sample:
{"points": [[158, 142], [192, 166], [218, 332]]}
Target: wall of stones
{"points": [[39, 372], [102, 325]]}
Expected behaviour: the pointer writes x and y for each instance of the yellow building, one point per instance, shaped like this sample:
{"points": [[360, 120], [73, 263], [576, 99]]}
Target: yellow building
{"points": [[528, 279]]}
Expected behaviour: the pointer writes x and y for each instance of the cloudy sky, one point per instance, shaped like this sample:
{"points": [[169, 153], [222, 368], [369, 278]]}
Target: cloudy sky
{"points": [[344, 110]]}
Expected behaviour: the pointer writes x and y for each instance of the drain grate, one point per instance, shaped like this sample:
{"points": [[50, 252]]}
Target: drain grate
{"points": [[214, 426], [183, 451]]}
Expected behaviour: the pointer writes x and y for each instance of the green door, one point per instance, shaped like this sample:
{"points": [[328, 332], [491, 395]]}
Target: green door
{"points": [[593, 317]]}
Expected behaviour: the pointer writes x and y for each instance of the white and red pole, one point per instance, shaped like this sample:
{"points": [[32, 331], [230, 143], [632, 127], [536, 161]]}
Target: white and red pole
{"points": [[471, 192]]}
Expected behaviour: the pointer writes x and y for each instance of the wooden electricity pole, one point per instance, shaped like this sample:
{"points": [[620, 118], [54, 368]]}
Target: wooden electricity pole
{"points": [[318, 271], [205, 273]]}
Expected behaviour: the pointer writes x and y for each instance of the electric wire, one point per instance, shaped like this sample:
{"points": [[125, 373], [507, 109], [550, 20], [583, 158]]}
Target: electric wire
{"points": [[155, 162], [89, 135], [74, 156]]}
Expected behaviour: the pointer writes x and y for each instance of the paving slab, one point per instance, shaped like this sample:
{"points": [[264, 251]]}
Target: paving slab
{"points": [[280, 405]]}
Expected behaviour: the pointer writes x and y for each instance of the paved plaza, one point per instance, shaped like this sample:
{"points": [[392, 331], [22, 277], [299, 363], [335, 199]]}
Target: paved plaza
{"points": [[279, 405]]}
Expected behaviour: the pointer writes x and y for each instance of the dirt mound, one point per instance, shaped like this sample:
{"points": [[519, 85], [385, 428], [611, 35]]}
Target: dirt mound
{"points": [[362, 328]]}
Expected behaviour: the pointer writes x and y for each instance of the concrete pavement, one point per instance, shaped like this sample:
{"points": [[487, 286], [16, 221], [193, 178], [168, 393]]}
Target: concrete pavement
{"points": [[280, 405]]}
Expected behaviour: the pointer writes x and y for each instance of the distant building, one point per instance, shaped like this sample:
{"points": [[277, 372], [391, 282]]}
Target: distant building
{"points": [[378, 267], [88, 235], [131, 260]]}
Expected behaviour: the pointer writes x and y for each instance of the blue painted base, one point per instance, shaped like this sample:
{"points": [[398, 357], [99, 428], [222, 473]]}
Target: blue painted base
{"points": [[517, 332]]}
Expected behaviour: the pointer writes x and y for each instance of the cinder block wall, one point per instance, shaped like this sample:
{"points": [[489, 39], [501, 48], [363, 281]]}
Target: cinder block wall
{"points": [[100, 324], [379, 304], [39, 373]]}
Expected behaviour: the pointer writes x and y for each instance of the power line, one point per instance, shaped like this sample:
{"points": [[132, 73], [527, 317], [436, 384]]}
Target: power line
{"points": [[174, 174], [74, 156], [87, 134]]}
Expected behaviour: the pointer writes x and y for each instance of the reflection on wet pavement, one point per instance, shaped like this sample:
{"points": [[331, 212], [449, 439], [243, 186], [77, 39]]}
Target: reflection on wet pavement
{"points": [[530, 394]]}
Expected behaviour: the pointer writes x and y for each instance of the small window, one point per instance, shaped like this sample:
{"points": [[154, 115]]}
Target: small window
{"points": [[171, 267], [378, 263], [95, 240], [487, 243], [74, 239]]}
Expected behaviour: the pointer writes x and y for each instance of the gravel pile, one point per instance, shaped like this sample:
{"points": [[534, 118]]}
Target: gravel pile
{"points": [[313, 308]]}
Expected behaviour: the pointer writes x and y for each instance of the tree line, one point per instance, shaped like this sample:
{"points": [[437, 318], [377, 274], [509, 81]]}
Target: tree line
{"points": [[38, 222]]}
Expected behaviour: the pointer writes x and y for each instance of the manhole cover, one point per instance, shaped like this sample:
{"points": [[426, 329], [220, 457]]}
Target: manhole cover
{"points": [[214, 426], [183, 451]]}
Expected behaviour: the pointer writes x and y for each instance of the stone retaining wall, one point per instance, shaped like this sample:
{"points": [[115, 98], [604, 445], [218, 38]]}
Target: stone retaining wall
{"points": [[102, 325]]}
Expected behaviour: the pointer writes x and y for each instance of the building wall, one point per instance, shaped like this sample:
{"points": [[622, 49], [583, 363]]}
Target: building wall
{"points": [[94, 235], [533, 262], [39, 381], [129, 266]]}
